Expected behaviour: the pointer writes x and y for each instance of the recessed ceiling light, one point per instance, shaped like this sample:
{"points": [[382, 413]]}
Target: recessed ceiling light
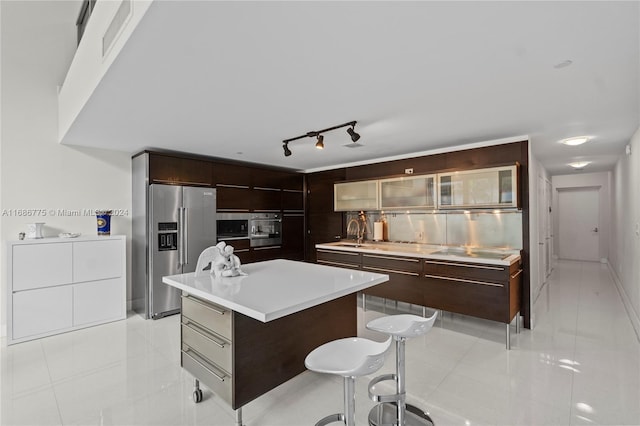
{"points": [[579, 164], [563, 64], [575, 141]]}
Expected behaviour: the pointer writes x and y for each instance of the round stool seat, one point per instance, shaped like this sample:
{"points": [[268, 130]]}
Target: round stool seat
{"points": [[405, 325], [349, 357]]}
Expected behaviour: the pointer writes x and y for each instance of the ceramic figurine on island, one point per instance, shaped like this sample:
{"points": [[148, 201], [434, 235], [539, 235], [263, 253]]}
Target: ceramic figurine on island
{"points": [[222, 260]]}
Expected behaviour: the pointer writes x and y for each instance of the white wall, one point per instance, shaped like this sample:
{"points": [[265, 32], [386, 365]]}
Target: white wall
{"points": [[38, 40], [624, 259], [583, 180]]}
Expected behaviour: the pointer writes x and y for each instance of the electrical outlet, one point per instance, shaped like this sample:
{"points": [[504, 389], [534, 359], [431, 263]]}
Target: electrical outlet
{"points": [[408, 171]]}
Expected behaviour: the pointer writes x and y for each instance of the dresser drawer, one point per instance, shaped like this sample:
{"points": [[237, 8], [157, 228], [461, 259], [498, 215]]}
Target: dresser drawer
{"points": [[213, 377], [208, 315], [212, 347]]}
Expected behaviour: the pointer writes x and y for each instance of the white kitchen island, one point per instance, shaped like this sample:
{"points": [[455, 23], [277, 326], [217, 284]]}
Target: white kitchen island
{"points": [[243, 336]]}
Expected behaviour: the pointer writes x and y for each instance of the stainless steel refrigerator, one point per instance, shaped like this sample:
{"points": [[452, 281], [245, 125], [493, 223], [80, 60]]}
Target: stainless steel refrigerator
{"points": [[180, 223]]}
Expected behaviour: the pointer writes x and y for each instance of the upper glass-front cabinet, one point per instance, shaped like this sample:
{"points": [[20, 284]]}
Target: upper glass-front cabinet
{"points": [[355, 196], [408, 192], [482, 188]]}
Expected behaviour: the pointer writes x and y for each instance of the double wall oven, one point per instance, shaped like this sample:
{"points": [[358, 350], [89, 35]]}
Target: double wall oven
{"points": [[261, 229]]}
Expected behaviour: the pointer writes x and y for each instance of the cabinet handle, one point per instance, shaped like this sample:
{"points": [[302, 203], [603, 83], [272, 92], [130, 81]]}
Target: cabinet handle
{"points": [[493, 268], [198, 330], [348, 265], [516, 274], [225, 185], [408, 259], [463, 280], [294, 190], [232, 210], [370, 268], [241, 251], [181, 182], [195, 355], [338, 252], [217, 311], [262, 188], [266, 248]]}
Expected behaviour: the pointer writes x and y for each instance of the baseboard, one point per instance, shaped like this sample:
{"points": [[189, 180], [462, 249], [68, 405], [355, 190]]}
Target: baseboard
{"points": [[631, 313]]}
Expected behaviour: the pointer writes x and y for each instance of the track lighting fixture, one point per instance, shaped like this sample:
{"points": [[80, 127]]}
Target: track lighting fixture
{"points": [[320, 138], [287, 151], [352, 133]]}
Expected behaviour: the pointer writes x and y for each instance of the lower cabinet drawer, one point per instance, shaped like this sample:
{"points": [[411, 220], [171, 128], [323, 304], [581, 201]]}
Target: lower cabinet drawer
{"points": [[208, 315], [40, 311], [213, 377], [473, 271], [340, 259], [212, 347]]}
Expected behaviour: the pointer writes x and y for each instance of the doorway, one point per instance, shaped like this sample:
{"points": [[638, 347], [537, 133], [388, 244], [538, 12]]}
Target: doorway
{"points": [[578, 217]]}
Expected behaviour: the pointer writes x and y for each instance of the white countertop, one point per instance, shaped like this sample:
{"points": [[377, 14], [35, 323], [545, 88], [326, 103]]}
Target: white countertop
{"points": [[276, 288], [428, 251]]}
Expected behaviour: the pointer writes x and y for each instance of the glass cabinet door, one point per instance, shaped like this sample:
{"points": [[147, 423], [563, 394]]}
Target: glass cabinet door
{"points": [[355, 196], [484, 188], [407, 192]]}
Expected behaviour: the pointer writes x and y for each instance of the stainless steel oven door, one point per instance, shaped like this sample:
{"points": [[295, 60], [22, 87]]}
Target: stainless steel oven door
{"points": [[266, 230]]}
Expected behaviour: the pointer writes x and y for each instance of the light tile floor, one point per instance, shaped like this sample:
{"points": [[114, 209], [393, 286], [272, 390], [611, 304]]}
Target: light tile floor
{"points": [[580, 365]]}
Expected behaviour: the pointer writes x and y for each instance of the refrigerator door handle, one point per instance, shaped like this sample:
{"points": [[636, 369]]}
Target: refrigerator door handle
{"points": [[180, 236], [185, 218]]}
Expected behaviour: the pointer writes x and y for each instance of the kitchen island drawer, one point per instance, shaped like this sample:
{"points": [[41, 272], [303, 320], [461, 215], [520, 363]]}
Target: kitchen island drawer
{"points": [[392, 264], [472, 271], [210, 374], [208, 315], [212, 347], [343, 259]]}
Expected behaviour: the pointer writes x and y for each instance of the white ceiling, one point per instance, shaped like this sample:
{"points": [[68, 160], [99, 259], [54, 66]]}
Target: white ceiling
{"points": [[233, 79]]}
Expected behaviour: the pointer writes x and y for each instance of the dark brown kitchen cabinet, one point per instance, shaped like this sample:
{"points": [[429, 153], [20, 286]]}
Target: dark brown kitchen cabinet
{"points": [[342, 259], [323, 224], [405, 277], [293, 236], [233, 198], [292, 200], [266, 199], [168, 169], [258, 254], [232, 174], [486, 291]]}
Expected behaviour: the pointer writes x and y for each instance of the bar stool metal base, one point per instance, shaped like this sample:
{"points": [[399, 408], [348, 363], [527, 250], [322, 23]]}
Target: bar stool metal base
{"points": [[385, 414]]}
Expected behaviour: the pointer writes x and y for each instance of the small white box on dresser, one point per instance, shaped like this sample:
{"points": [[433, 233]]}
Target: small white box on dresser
{"points": [[62, 284]]}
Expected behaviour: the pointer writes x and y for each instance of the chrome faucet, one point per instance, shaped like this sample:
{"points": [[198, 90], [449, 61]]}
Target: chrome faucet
{"points": [[360, 227]]}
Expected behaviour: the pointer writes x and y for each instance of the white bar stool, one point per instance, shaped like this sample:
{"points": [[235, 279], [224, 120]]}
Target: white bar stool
{"points": [[393, 409], [350, 357]]}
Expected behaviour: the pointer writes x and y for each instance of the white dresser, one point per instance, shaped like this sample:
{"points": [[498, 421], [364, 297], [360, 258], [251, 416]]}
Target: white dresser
{"points": [[62, 284]]}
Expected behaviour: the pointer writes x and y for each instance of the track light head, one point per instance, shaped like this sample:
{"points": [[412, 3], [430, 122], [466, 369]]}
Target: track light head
{"points": [[354, 136], [320, 143], [287, 151]]}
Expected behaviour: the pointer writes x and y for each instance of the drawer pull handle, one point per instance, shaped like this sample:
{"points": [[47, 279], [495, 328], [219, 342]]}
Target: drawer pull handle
{"points": [[198, 330], [338, 252], [404, 259], [226, 185], [348, 265], [493, 268], [240, 251], [266, 248], [211, 308], [198, 360], [371, 268], [463, 280], [516, 274]]}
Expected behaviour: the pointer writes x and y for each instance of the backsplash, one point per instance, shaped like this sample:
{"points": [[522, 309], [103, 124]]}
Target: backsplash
{"points": [[476, 229]]}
